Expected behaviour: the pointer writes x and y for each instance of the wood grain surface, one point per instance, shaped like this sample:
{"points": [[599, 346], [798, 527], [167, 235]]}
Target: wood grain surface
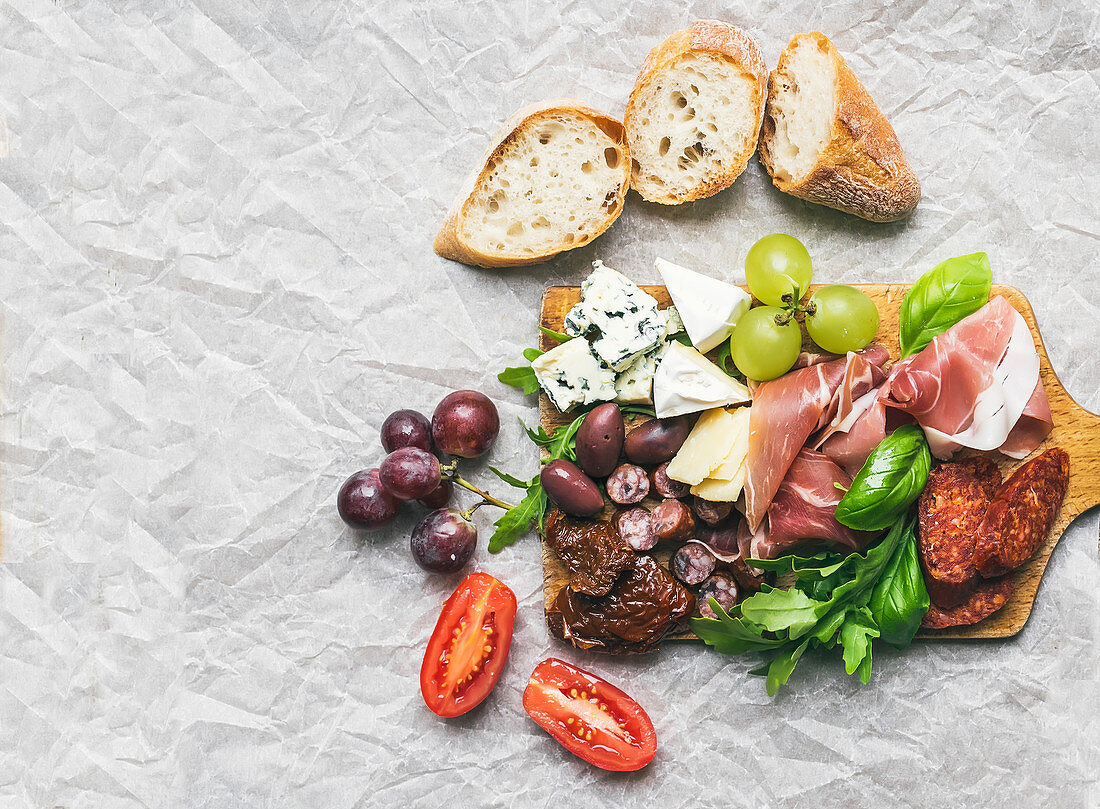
{"points": [[1076, 430]]}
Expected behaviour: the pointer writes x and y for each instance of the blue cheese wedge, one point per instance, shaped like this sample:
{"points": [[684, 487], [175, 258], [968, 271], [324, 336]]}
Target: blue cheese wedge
{"points": [[674, 324], [571, 375], [624, 320], [687, 382], [709, 308], [635, 384]]}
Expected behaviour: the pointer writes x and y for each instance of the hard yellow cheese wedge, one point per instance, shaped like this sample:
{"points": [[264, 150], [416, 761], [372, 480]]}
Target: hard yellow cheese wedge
{"points": [[705, 448]]}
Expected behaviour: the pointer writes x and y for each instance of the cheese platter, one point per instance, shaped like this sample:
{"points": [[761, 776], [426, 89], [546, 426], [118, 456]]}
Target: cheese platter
{"points": [[1075, 429]]}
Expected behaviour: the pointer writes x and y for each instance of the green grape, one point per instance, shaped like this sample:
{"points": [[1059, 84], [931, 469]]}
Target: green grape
{"points": [[777, 265], [761, 348], [844, 319]]}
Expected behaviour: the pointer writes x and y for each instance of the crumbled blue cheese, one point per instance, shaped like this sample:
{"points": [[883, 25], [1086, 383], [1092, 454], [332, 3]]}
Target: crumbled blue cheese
{"points": [[635, 384], [571, 375], [625, 320], [673, 323]]}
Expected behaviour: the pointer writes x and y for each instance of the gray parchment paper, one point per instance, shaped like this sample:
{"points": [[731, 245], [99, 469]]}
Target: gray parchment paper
{"points": [[216, 280]]}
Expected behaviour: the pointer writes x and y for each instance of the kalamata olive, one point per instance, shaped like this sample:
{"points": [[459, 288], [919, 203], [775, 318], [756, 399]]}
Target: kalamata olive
{"points": [[672, 520], [465, 423], [440, 497], [721, 588], [600, 440], [406, 428], [656, 441], [570, 488], [691, 564], [364, 503], [409, 473], [664, 486], [710, 511]]}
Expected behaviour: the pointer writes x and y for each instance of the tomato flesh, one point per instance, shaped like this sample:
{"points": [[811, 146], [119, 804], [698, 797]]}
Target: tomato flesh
{"points": [[469, 646], [590, 717]]}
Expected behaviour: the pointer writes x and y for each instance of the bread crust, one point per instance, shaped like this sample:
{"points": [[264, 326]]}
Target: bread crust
{"points": [[709, 36], [448, 244], [862, 170]]}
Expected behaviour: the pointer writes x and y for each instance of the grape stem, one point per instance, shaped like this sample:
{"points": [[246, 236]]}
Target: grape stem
{"points": [[487, 499]]}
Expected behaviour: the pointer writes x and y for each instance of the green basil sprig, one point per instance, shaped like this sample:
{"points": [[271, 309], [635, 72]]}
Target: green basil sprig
{"points": [[891, 479], [900, 599], [950, 291]]}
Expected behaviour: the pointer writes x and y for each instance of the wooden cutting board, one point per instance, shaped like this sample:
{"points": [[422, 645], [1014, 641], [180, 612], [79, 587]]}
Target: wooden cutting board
{"points": [[1076, 430]]}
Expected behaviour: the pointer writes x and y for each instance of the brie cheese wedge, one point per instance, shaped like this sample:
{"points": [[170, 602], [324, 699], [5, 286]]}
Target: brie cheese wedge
{"points": [[687, 382], [709, 308]]}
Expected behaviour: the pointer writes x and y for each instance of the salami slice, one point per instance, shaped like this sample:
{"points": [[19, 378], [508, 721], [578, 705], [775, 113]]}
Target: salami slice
{"points": [[628, 484], [664, 486], [950, 512], [636, 528], [988, 596], [672, 520], [1021, 514]]}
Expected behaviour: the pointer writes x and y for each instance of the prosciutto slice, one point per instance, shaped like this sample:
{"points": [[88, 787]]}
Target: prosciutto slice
{"points": [[788, 410], [803, 511], [976, 385]]}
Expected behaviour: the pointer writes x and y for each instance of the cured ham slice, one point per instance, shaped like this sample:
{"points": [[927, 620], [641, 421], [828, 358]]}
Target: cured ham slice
{"points": [[803, 511], [976, 385], [788, 410]]}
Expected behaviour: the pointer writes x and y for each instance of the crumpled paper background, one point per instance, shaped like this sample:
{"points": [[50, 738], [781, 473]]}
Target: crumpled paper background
{"points": [[217, 280]]}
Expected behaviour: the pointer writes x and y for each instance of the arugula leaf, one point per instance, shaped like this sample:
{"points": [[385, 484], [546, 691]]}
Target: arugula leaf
{"points": [[819, 566], [788, 622], [511, 480], [724, 359], [950, 291], [783, 610], [855, 636], [557, 336], [522, 377], [532, 354], [515, 522], [892, 478], [900, 599]]}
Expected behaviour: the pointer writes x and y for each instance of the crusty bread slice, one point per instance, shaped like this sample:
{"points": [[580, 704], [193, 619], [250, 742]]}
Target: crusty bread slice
{"points": [[553, 178], [825, 140], [694, 114]]}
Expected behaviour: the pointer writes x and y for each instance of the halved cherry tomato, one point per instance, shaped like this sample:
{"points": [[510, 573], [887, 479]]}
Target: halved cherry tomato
{"points": [[589, 716], [469, 646]]}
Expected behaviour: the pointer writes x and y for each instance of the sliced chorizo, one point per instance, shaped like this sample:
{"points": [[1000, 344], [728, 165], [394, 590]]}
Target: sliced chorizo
{"points": [[664, 486], [636, 528], [988, 596], [1021, 514], [672, 520], [711, 512], [628, 484]]}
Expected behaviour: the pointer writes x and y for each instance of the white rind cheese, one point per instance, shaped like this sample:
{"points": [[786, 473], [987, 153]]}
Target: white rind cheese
{"points": [[624, 320], [571, 375], [687, 382], [708, 307]]}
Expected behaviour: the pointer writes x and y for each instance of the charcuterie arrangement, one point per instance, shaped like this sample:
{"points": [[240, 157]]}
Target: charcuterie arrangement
{"points": [[761, 467]]}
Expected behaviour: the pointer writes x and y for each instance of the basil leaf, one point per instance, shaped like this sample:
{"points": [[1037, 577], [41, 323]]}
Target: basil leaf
{"points": [[900, 599], [520, 377], [891, 479], [557, 336], [950, 291]]}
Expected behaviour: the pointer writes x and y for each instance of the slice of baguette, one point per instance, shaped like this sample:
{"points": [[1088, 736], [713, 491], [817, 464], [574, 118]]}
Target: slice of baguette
{"points": [[825, 140], [553, 178], [694, 114]]}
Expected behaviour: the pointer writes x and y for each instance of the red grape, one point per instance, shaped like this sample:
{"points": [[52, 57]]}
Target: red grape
{"points": [[409, 473], [364, 503], [443, 541], [465, 424], [440, 497], [406, 428]]}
